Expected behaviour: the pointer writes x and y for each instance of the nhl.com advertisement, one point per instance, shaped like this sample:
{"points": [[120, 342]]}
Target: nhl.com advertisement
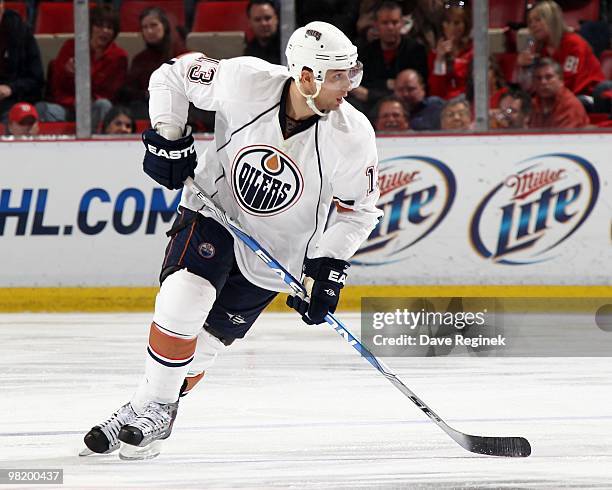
{"points": [[465, 210]]}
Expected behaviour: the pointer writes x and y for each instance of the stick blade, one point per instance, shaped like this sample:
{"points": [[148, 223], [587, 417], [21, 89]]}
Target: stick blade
{"points": [[509, 447]]}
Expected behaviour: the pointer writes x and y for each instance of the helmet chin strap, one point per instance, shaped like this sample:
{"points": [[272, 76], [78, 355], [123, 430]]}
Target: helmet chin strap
{"points": [[310, 98]]}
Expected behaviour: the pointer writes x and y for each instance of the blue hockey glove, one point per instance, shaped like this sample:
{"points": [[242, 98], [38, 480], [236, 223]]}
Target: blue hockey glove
{"points": [[169, 162], [324, 278]]}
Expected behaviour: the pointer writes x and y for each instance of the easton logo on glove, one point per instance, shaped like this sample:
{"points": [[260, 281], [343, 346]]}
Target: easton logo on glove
{"points": [[172, 154], [337, 276], [327, 277], [169, 162]]}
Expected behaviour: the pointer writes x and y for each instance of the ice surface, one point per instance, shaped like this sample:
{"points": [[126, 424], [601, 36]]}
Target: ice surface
{"points": [[294, 406]]}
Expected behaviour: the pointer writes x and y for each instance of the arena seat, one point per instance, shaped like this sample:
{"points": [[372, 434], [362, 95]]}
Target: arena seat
{"points": [[580, 10], [49, 45], [57, 127], [55, 17], [130, 11], [217, 45], [504, 12], [507, 63], [221, 16], [19, 7], [132, 42], [597, 117], [142, 125], [606, 63]]}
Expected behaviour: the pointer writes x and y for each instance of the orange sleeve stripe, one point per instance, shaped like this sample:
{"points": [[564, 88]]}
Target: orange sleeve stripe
{"points": [[170, 347], [342, 209]]}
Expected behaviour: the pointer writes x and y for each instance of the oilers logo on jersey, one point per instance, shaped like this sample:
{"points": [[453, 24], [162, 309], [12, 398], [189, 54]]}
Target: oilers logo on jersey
{"points": [[265, 181]]}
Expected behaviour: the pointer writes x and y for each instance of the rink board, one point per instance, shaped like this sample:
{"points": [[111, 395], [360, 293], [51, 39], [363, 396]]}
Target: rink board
{"points": [[143, 299], [476, 210]]}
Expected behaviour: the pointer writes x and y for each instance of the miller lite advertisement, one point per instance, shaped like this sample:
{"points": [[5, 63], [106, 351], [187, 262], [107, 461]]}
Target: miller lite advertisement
{"points": [[527, 217], [416, 194], [517, 210], [491, 209]]}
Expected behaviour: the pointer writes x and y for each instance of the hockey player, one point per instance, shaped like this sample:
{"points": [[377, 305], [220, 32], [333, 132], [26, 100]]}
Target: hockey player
{"points": [[287, 146]]}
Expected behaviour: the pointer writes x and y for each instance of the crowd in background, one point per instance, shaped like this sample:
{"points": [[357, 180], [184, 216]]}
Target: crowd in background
{"points": [[417, 57]]}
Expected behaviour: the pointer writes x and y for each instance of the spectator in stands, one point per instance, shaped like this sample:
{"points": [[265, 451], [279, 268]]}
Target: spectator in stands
{"points": [[427, 16], [423, 112], [341, 13], [456, 115], [420, 21], [162, 44], [22, 120], [108, 71], [21, 73], [450, 62], [385, 57], [119, 120], [513, 111], [498, 86], [554, 105], [263, 20], [391, 115], [553, 38]]}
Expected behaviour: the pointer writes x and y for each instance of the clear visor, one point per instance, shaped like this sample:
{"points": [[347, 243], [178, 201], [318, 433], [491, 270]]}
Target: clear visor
{"points": [[345, 79]]}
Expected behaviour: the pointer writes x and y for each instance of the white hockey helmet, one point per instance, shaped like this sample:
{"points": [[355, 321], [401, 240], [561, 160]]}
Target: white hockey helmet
{"points": [[320, 47]]}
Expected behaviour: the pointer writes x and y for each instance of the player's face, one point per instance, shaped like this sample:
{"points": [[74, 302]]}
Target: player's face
{"points": [[336, 86], [152, 29]]}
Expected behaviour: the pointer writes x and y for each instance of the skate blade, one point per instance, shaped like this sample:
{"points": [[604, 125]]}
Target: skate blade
{"points": [[88, 452], [134, 453]]}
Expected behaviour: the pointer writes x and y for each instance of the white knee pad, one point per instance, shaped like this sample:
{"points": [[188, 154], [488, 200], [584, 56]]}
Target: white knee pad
{"points": [[207, 348], [183, 303]]}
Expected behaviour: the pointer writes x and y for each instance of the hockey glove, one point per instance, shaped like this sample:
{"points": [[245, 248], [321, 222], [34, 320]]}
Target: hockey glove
{"points": [[324, 277], [169, 162]]}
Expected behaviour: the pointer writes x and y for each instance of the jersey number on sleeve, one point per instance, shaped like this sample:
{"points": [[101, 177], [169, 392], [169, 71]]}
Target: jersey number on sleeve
{"points": [[372, 184], [200, 74]]}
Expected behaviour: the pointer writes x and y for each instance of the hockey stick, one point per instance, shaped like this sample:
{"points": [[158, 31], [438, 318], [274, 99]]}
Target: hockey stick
{"points": [[494, 446]]}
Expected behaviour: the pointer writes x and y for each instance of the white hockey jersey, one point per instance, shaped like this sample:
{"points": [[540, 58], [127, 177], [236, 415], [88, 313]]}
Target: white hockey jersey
{"points": [[279, 190]]}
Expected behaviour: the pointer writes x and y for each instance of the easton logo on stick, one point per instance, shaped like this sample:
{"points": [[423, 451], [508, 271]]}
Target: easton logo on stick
{"points": [[265, 181]]}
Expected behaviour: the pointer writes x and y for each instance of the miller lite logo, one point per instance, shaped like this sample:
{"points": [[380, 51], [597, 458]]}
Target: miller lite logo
{"points": [[416, 194], [534, 209], [265, 181]]}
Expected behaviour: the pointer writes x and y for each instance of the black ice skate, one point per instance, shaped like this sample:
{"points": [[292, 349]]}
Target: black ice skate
{"points": [[102, 438], [142, 436]]}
